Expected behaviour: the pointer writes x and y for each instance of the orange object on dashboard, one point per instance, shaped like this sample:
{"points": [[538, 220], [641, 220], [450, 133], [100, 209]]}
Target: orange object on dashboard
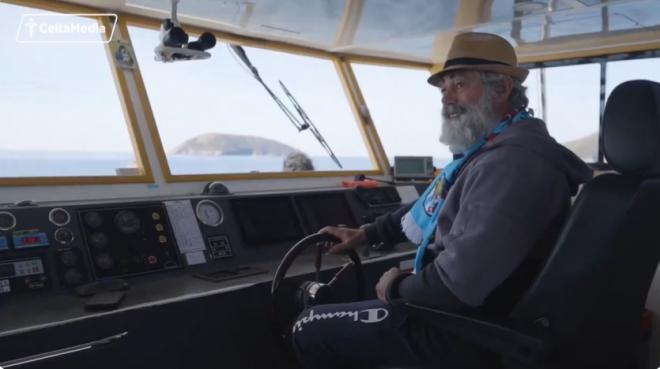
{"points": [[366, 183]]}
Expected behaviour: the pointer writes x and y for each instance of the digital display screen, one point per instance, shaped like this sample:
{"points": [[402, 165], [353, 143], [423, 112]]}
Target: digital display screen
{"points": [[410, 166], [413, 166], [267, 220], [3, 243], [26, 239], [320, 210]]}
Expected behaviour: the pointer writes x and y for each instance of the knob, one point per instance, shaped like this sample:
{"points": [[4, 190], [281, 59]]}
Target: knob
{"points": [[64, 236]]}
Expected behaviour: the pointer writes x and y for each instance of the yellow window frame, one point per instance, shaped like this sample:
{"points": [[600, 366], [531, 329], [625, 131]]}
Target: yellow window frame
{"points": [[347, 79], [146, 174]]}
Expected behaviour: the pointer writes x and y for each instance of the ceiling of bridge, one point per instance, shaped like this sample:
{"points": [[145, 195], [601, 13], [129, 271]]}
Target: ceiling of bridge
{"points": [[420, 30]]}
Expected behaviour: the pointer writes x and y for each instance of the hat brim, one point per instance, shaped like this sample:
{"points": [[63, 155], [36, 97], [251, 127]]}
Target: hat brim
{"points": [[517, 73]]}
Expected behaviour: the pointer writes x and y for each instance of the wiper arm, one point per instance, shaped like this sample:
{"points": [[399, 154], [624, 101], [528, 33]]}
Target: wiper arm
{"points": [[300, 126], [308, 122], [238, 50]]}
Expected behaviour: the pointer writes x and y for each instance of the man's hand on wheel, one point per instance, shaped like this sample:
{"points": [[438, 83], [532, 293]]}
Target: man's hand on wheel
{"points": [[351, 238]]}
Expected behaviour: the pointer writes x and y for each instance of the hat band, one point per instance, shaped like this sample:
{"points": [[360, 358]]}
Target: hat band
{"points": [[471, 61]]}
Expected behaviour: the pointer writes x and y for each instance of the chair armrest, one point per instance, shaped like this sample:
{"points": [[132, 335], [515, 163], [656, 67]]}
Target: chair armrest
{"points": [[492, 336]]}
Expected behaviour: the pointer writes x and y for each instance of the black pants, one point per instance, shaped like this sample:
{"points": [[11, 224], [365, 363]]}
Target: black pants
{"points": [[369, 333]]}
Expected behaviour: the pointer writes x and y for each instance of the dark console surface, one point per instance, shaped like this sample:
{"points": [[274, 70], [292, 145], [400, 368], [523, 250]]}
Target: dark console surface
{"points": [[267, 220], [61, 246]]}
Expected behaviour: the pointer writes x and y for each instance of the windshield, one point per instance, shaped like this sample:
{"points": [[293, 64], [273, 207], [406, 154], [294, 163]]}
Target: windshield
{"points": [[214, 117]]}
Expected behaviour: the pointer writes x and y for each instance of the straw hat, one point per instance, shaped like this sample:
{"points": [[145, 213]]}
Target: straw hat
{"points": [[480, 51]]}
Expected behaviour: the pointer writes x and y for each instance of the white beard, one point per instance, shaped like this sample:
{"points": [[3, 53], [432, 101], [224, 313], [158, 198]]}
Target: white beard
{"points": [[463, 125]]}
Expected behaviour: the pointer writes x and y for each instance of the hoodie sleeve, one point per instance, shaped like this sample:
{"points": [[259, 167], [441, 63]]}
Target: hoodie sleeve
{"points": [[510, 197], [387, 228]]}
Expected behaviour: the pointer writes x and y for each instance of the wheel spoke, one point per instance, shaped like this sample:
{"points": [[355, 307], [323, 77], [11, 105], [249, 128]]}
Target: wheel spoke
{"points": [[318, 257], [339, 273]]}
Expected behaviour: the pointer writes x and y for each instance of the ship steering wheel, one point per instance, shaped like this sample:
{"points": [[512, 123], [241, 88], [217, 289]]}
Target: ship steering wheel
{"points": [[310, 293]]}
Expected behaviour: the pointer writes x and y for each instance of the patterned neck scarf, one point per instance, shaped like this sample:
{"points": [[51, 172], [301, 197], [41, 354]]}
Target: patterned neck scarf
{"points": [[420, 222]]}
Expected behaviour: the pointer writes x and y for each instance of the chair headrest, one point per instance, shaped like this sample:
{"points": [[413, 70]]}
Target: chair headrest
{"points": [[631, 128]]}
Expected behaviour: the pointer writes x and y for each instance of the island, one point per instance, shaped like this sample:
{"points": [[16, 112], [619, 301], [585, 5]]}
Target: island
{"points": [[218, 144]]}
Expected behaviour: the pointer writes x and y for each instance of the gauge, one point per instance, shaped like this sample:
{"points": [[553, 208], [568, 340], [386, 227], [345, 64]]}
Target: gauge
{"points": [[93, 219], [127, 221], [7, 221], [64, 236], [59, 217], [99, 240], [209, 213]]}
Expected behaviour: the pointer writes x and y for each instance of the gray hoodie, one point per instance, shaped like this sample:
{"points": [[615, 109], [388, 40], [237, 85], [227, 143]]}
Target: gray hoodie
{"points": [[497, 223]]}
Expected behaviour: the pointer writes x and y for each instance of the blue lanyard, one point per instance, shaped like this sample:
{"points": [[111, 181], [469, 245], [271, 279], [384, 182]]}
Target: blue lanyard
{"points": [[441, 185]]}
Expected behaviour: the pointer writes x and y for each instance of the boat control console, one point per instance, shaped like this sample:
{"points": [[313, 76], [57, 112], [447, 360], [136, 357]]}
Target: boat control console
{"points": [[66, 245], [124, 273]]}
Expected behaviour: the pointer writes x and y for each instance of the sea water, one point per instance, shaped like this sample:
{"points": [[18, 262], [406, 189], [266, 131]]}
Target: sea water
{"points": [[50, 164]]}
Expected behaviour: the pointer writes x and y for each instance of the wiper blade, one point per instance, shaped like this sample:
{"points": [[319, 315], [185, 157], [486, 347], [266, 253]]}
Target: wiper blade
{"points": [[238, 50], [300, 126], [311, 125]]}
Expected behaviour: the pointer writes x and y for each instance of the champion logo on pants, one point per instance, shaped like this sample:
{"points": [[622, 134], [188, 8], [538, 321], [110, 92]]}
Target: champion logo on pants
{"points": [[362, 316]]}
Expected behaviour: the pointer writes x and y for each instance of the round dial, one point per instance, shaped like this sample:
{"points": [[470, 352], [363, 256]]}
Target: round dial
{"points": [[7, 221], [209, 213], [64, 236], [127, 221], [93, 219], [59, 217], [98, 240]]}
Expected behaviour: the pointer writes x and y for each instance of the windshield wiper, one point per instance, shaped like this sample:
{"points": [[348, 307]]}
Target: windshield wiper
{"points": [[300, 126], [308, 122]]}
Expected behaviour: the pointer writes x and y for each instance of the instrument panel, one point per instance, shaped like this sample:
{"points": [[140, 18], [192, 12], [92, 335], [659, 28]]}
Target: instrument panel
{"points": [[126, 241], [40, 248], [65, 245]]}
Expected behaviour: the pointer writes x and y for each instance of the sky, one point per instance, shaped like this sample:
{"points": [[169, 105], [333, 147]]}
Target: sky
{"points": [[57, 96], [62, 98]]}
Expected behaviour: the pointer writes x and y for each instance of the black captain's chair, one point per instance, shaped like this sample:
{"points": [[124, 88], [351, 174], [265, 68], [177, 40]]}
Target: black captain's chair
{"points": [[584, 308]]}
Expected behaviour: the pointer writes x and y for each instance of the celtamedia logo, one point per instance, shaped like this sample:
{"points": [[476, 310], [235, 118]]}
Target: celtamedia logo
{"points": [[366, 316], [66, 28], [30, 24]]}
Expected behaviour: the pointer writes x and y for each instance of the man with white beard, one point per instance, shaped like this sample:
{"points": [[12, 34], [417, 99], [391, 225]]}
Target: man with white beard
{"points": [[483, 227]]}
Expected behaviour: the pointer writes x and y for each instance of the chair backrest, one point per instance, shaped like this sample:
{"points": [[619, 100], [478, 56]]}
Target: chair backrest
{"points": [[591, 292]]}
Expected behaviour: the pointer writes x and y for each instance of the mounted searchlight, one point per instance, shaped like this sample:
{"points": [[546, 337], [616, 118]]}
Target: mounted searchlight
{"points": [[174, 41]]}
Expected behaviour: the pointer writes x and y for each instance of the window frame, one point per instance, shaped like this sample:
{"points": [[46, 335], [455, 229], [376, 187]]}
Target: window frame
{"points": [[368, 61], [342, 64], [346, 78], [602, 60], [128, 109]]}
